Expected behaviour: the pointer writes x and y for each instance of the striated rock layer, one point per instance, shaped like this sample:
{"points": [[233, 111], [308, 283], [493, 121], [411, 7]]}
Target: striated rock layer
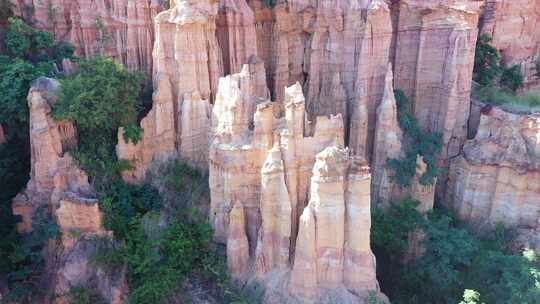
{"points": [[386, 145], [333, 241], [122, 29], [260, 171], [337, 50], [497, 177], [190, 56], [513, 25], [59, 188], [433, 65]]}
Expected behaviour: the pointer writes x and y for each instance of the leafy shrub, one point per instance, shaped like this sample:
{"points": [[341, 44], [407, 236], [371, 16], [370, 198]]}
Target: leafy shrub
{"points": [[100, 97], [455, 259], [486, 61], [82, 295], [162, 244], [425, 144], [511, 78], [509, 101], [28, 260]]}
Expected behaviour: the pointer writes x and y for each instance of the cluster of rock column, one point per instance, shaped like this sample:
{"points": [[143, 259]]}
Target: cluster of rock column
{"points": [[261, 174], [190, 55], [59, 188]]}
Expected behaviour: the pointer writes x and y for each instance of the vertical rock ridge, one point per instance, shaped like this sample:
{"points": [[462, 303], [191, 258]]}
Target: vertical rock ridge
{"points": [[237, 243], [58, 187], [386, 145]]}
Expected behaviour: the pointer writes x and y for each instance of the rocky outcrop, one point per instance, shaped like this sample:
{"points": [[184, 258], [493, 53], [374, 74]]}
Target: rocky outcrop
{"points": [[433, 63], [190, 55], [513, 25], [372, 79], [262, 166], [187, 66], [120, 29], [386, 145], [237, 243], [497, 177], [273, 243], [59, 188], [51, 166], [333, 241]]}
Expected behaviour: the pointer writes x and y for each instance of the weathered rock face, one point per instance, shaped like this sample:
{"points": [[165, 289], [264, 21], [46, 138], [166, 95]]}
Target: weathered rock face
{"points": [[58, 187], [333, 241], [497, 178], [190, 56], [425, 196], [260, 170], [513, 25], [237, 243], [434, 59], [187, 66], [273, 243], [120, 29], [236, 34], [386, 145], [51, 164], [338, 51]]}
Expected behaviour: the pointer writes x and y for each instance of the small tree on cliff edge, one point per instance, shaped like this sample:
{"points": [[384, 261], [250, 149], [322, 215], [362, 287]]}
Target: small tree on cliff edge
{"points": [[486, 61]]}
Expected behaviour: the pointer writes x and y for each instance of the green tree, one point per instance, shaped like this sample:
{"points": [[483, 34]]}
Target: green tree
{"points": [[486, 61], [511, 78], [100, 97]]}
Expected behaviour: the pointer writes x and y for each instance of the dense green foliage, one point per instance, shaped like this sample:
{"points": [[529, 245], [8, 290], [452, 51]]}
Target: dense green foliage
{"points": [[511, 78], [455, 259], [163, 243], [82, 295], [418, 142], [26, 259], [27, 54], [100, 97], [495, 96], [497, 83], [269, 3], [537, 70], [486, 62]]}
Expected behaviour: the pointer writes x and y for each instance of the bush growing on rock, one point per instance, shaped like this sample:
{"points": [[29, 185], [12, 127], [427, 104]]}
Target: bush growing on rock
{"points": [[100, 97], [511, 78], [426, 144], [455, 259], [163, 238]]}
